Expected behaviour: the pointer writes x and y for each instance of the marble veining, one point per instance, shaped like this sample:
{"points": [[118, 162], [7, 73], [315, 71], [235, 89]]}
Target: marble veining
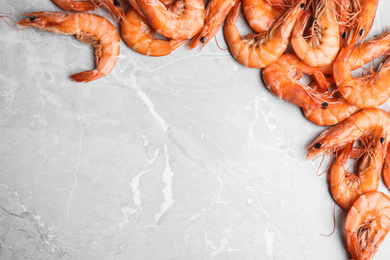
{"points": [[186, 156]]}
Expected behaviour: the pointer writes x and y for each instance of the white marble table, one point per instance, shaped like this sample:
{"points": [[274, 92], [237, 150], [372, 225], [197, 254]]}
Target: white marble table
{"points": [[187, 156]]}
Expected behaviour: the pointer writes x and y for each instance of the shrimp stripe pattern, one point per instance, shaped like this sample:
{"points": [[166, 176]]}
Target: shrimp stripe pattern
{"points": [[88, 28], [258, 51], [182, 20], [367, 224], [139, 36]]}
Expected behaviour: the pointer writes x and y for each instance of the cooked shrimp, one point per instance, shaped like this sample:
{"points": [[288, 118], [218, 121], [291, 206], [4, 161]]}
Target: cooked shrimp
{"points": [[258, 51], [182, 20], [88, 28], [351, 129], [113, 6], [263, 14], [367, 224], [365, 52], [324, 43], [216, 12], [346, 187], [139, 36], [343, 16], [76, 6], [332, 112], [371, 90], [282, 78], [364, 12]]}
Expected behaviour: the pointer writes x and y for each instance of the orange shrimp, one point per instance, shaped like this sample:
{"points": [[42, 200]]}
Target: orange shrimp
{"points": [[282, 78], [371, 90], [324, 43], [335, 112], [182, 20], [113, 6], [346, 187], [263, 14], [88, 28], [139, 36], [258, 51], [216, 12], [367, 224], [76, 6], [364, 12], [365, 52], [351, 129]]}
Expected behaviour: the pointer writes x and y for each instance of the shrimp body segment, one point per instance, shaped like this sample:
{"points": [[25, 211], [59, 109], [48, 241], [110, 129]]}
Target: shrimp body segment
{"points": [[258, 51], [76, 6], [282, 78], [346, 187], [139, 36], [371, 90], [365, 52], [263, 14], [88, 28], [367, 224], [362, 123], [324, 43], [182, 20], [216, 12]]}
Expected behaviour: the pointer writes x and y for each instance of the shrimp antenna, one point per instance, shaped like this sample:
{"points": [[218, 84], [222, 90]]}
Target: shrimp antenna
{"points": [[5, 16], [219, 47], [334, 221]]}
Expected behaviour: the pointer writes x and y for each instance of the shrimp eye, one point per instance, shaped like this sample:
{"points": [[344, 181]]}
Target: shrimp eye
{"points": [[303, 6], [317, 145], [202, 39], [324, 105], [344, 35], [361, 32], [32, 18], [382, 140], [116, 3]]}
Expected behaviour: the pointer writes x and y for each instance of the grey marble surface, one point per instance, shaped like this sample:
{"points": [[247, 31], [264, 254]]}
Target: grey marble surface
{"points": [[187, 156]]}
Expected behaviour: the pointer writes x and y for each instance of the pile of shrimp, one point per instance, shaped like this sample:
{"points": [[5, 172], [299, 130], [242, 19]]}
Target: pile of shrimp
{"points": [[327, 39]]}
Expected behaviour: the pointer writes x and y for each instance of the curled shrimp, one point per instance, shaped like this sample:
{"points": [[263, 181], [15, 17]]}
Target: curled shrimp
{"points": [[216, 12], [351, 129], [367, 224], [282, 78], [181, 20], [88, 28], [258, 51], [139, 36], [370, 90], [263, 14], [334, 112], [365, 52], [324, 42], [346, 187]]}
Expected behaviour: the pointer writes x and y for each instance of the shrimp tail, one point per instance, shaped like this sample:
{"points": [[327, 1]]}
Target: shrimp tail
{"points": [[86, 76]]}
